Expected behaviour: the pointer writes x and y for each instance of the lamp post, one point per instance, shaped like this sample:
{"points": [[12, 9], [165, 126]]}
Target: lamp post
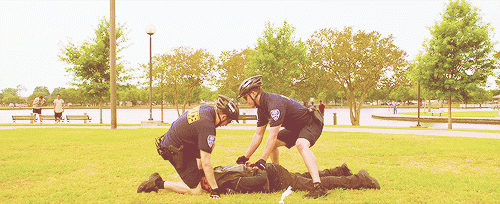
{"points": [[418, 101], [150, 30]]}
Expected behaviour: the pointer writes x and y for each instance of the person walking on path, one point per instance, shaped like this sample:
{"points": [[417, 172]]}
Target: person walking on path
{"points": [[395, 107], [58, 108], [321, 107], [301, 128], [37, 108]]}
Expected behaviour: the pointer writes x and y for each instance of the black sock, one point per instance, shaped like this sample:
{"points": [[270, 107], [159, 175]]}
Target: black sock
{"points": [[160, 184]]}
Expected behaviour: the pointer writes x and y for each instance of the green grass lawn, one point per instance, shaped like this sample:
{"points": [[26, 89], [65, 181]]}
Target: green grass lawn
{"points": [[487, 114], [60, 165]]}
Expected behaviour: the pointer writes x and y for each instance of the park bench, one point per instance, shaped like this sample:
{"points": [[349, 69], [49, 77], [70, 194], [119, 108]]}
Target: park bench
{"points": [[22, 117], [83, 117], [51, 117], [47, 117], [436, 111], [246, 117]]}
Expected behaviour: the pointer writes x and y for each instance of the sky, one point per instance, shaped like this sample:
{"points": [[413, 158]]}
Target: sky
{"points": [[32, 33]]}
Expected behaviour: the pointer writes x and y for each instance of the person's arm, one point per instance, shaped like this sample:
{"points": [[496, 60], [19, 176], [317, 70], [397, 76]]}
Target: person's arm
{"points": [[181, 187], [256, 140], [251, 184], [271, 142], [208, 169]]}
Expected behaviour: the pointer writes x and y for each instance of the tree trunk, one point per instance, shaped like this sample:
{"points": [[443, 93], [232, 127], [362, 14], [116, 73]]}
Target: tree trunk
{"points": [[100, 112], [449, 114], [429, 110], [353, 109]]}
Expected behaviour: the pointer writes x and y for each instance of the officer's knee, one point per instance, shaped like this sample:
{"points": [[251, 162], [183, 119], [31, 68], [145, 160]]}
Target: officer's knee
{"points": [[302, 144]]}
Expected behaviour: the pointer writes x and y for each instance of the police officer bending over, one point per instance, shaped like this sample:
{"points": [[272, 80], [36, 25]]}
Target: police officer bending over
{"points": [[192, 136], [303, 128]]}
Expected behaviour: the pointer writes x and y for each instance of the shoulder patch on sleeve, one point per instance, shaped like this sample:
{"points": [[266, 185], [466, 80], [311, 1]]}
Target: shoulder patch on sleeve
{"points": [[211, 140], [193, 115], [275, 114]]}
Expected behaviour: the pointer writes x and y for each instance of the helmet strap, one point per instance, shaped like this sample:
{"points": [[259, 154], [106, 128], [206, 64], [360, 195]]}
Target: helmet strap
{"points": [[253, 99], [220, 120]]}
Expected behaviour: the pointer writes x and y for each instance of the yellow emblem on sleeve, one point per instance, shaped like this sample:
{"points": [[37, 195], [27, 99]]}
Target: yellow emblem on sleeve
{"points": [[193, 115]]}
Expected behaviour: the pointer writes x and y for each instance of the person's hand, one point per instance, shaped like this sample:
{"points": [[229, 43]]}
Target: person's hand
{"points": [[261, 164], [242, 160], [215, 194]]}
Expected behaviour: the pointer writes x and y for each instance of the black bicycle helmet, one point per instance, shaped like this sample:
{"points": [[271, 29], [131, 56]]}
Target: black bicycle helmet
{"points": [[248, 84], [227, 106]]}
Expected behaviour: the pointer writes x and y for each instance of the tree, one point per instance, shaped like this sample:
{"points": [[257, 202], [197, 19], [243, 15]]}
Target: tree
{"points": [[355, 62], [39, 91], [459, 55], [10, 95], [185, 70], [280, 59], [231, 69], [91, 63]]}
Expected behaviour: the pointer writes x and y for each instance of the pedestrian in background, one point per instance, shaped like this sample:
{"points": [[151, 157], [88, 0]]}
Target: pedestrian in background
{"points": [[58, 108]]}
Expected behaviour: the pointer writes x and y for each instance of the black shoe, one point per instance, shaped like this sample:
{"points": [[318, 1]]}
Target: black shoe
{"points": [[346, 171], [150, 184], [316, 192], [367, 180]]}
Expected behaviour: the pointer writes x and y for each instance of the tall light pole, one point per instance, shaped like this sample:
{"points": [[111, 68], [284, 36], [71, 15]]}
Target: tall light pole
{"points": [[112, 64], [150, 30], [418, 101]]}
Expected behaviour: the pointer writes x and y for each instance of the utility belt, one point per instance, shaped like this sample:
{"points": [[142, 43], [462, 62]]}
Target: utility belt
{"points": [[173, 154], [316, 115]]}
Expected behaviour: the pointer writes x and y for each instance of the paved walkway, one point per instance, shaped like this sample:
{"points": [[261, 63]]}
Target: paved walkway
{"points": [[447, 133]]}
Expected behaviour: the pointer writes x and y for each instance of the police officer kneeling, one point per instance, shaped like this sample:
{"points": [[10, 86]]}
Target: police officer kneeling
{"points": [[192, 136]]}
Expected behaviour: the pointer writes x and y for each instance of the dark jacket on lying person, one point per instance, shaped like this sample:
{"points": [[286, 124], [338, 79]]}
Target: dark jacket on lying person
{"points": [[244, 179]]}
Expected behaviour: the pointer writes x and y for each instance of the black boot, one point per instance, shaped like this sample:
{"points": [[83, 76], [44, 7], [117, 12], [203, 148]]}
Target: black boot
{"points": [[342, 170], [356, 181], [367, 180], [316, 192], [151, 184]]}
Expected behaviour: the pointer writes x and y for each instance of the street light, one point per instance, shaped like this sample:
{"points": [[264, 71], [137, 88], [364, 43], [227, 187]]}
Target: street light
{"points": [[150, 30]]}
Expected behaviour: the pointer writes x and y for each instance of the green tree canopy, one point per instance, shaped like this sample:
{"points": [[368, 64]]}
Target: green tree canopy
{"points": [[355, 62], [459, 56], [231, 69], [183, 72], [280, 59], [91, 62]]}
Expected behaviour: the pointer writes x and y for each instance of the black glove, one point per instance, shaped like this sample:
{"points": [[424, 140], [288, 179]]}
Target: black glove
{"points": [[242, 160], [261, 164], [215, 194]]}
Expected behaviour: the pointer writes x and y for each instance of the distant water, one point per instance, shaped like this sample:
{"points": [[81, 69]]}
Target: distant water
{"points": [[135, 116]]}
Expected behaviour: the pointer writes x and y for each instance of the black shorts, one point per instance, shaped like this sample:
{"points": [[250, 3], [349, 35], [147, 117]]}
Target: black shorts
{"points": [[58, 115], [189, 173], [37, 110], [311, 132]]}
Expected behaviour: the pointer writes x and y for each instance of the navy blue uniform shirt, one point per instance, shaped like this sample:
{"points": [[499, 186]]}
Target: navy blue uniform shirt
{"points": [[280, 110], [195, 129]]}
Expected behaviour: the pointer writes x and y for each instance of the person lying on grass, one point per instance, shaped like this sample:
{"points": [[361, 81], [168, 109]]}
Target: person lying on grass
{"points": [[243, 178]]}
